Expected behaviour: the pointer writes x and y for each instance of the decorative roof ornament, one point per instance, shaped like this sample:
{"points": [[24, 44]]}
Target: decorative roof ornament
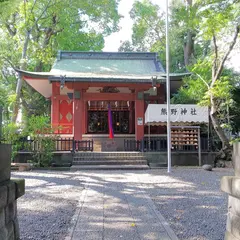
{"points": [[109, 89], [62, 81]]}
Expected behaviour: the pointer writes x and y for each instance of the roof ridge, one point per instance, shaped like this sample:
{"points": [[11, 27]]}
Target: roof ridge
{"points": [[106, 55]]}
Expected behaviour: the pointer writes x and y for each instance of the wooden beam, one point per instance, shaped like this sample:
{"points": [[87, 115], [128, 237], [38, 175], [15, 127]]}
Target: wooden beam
{"points": [[108, 96], [72, 85], [62, 97]]}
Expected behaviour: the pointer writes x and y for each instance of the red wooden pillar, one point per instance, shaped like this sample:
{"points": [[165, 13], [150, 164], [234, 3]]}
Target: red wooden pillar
{"points": [[78, 109], [84, 117], [55, 106], [139, 115]]}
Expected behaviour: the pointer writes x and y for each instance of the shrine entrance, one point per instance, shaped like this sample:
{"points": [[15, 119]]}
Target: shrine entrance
{"points": [[98, 117]]}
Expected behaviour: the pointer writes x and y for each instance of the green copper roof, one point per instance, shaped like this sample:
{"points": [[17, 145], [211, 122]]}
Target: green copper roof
{"points": [[107, 63], [122, 67]]}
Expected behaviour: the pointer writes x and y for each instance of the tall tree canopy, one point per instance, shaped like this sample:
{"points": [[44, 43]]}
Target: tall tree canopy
{"points": [[203, 34], [34, 31], [217, 23]]}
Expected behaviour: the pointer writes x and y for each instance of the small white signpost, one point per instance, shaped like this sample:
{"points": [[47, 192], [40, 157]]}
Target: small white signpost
{"points": [[181, 115]]}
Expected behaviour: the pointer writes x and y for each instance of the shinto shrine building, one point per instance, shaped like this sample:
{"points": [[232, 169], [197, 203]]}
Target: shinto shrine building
{"points": [[82, 85]]}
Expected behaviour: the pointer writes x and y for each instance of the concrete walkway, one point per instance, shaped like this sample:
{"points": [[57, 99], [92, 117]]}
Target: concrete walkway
{"points": [[115, 207]]}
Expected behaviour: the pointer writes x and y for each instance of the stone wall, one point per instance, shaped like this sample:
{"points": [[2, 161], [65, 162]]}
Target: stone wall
{"points": [[155, 159], [231, 185], [159, 159], [10, 191]]}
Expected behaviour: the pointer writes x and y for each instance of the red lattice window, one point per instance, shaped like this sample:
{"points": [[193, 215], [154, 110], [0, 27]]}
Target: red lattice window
{"points": [[66, 116]]}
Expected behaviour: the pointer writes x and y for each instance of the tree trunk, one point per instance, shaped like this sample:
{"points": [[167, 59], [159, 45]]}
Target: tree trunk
{"points": [[20, 80], [188, 48], [226, 152], [189, 43], [216, 125]]}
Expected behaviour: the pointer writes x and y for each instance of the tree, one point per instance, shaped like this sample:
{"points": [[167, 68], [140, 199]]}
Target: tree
{"points": [[217, 18], [148, 27], [33, 33], [218, 23], [149, 33], [203, 34], [126, 46], [6, 6]]}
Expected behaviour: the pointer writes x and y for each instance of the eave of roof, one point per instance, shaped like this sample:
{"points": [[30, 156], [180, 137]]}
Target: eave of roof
{"points": [[86, 77]]}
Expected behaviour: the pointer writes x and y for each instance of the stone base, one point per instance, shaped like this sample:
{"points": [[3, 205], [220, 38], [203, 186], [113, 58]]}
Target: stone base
{"points": [[231, 185], [229, 236], [5, 162], [9, 192], [109, 146]]}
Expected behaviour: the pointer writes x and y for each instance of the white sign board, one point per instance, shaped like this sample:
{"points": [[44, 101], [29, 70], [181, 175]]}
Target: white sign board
{"points": [[157, 113], [140, 121]]}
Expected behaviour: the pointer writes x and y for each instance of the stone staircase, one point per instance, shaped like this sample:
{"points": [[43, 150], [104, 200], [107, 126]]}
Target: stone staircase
{"points": [[97, 146], [109, 161]]}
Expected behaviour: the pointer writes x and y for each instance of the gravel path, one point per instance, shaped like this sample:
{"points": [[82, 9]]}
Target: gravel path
{"points": [[191, 201], [50, 201]]}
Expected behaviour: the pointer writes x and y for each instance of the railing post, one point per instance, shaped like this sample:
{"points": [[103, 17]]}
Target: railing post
{"points": [[142, 145], [199, 148], [73, 145]]}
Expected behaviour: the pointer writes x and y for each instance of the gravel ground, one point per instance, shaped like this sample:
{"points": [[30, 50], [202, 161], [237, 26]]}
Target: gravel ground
{"points": [[50, 201], [191, 201]]}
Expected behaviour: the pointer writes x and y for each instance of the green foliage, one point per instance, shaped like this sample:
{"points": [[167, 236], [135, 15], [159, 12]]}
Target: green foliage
{"points": [[148, 27], [7, 6], [235, 110], [194, 88], [32, 32], [12, 134], [41, 132]]}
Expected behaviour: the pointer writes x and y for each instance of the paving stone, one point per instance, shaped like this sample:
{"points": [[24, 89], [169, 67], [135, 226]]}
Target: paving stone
{"points": [[87, 235], [116, 235], [88, 218], [120, 230], [141, 210], [144, 227], [146, 218], [92, 211], [89, 226], [120, 212], [154, 236], [116, 207]]}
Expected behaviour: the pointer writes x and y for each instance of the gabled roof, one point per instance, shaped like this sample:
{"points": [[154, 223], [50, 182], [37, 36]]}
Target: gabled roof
{"points": [[107, 63], [114, 67]]}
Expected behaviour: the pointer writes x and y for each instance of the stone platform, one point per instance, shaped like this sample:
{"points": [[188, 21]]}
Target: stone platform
{"points": [[111, 209], [231, 185]]}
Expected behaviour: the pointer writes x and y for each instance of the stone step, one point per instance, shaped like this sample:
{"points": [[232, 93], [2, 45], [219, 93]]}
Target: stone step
{"points": [[97, 157], [124, 154], [109, 167], [110, 162], [158, 165]]}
